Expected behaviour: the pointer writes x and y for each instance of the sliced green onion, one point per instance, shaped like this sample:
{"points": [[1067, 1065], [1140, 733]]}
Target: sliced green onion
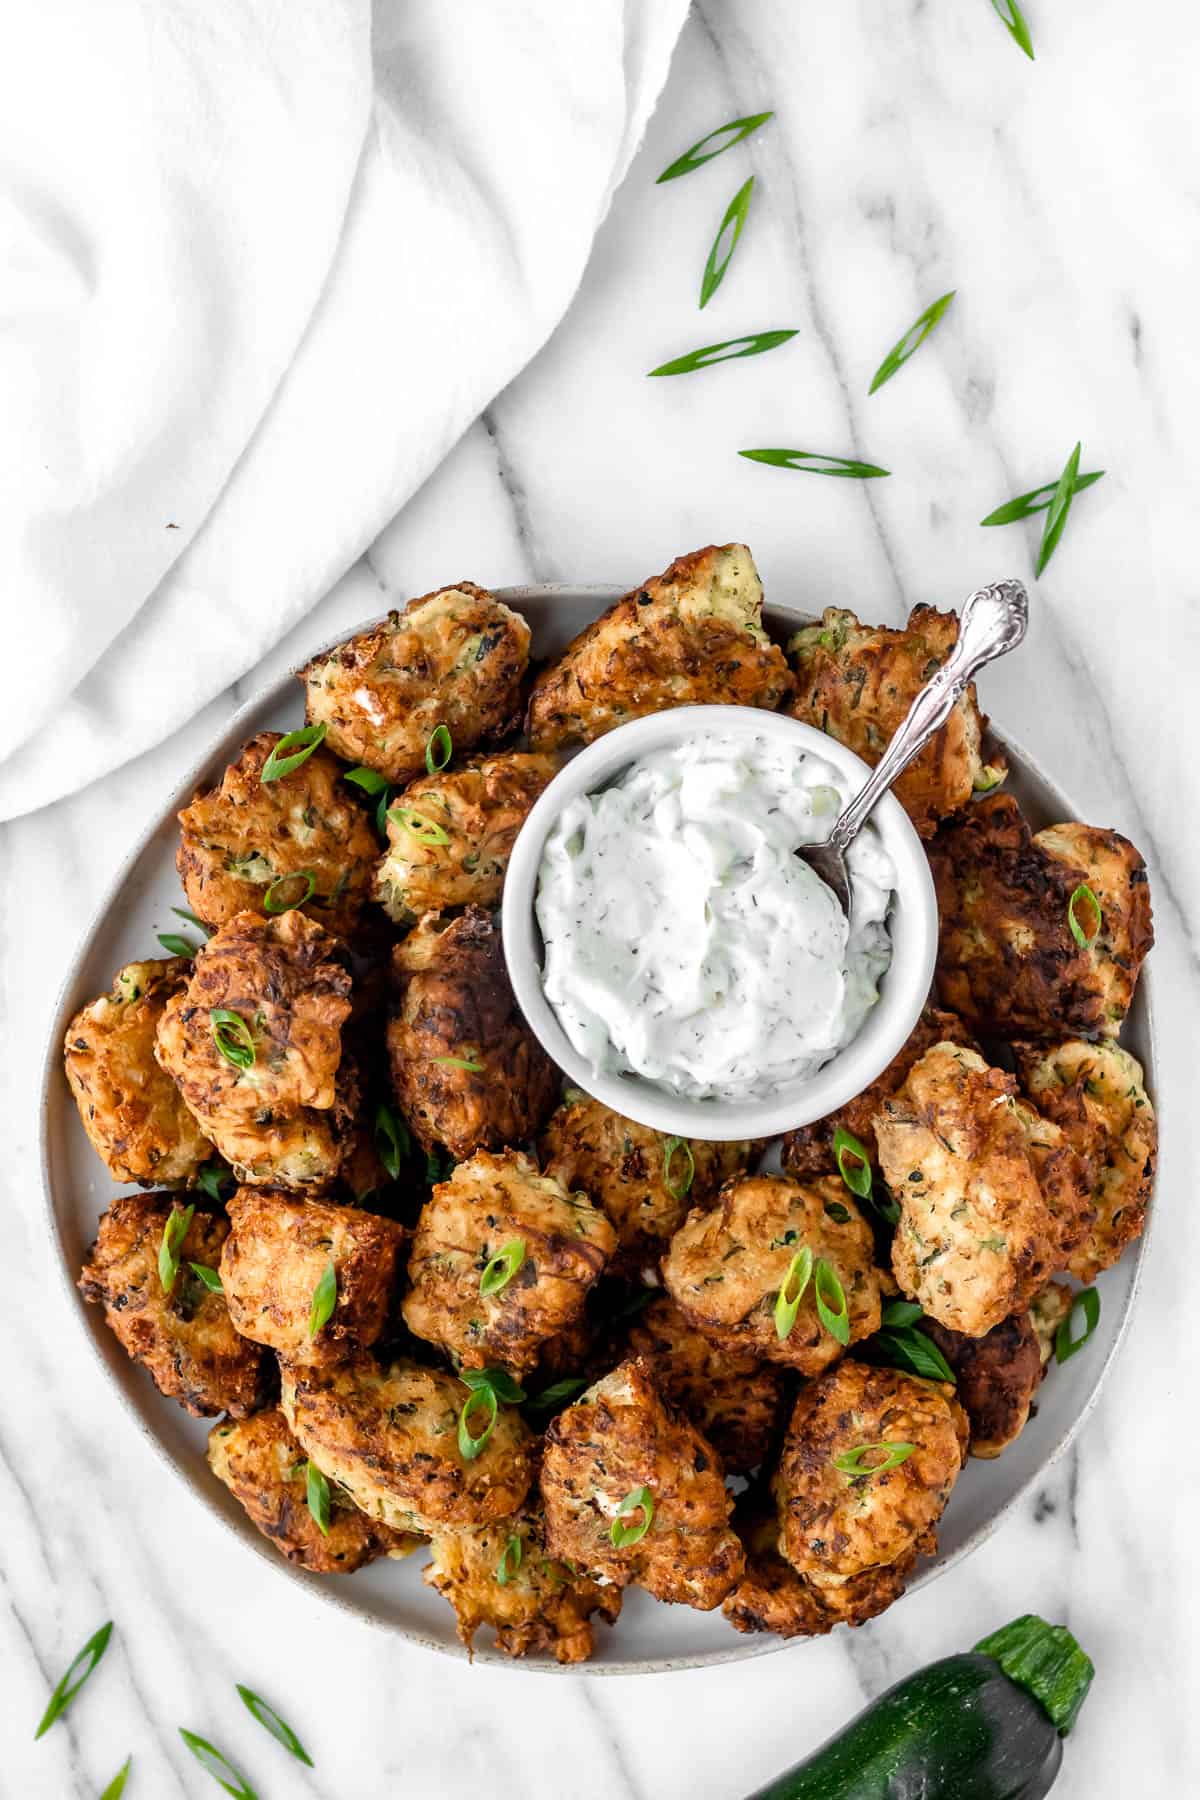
{"points": [[720, 256], [502, 1267], [912, 1350], [812, 462], [270, 1721], [857, 1175], [272, 904], [439, 749], [210, 1178], [74, 1678], [715, 144], [510, 1562], [901, 1312], [173, 1234], [881, 1202], [1057, 511], [369, 780], [392, 1141], [293, 748], [218, 1766], [316, 1493], [1086, 1301], [426, 831], [438, 1165], [637, 1499], [1036, 501], [459, 1062], [678, 1189], [209, 1277], [557, 1394], [176, 945], [753, 344], [837, 1212], [323, 1301], [832, 1306], [911, 342], [1083, 895], [787, 1304], [181, 912], [1014, 22], [116, 1786], [232, 1036], [499, 1380], [485, 1396], [851, 1462]]}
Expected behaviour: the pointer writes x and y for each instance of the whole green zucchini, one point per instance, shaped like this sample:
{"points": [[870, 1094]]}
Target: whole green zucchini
{"points": [[985, 1725]]}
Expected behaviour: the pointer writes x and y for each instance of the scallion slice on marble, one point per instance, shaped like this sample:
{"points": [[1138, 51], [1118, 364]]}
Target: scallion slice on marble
{"points": [[73, 1680], [911, 342], [753, 344], [725, 242], [715, 144], [1036, 501], [218, 1766], [1060, 506], [812, 462], [116, 1786], [1015, 24], [270, 1721]]}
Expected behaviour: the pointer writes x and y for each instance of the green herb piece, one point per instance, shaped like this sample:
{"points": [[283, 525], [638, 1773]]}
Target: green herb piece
{"points": [[369, 780], [1059, 508], [557, 1394], [721, 254], [832, 1306], [181, 912], [392, 1141], [294, 748], [910, 1349], [1083, 896], [510, 1562], [812, 462], [459, 1062], [270, 1721], [715, 144], [209, 1277], [176, 945], [272, 903], [74, 1678], [173, 1234], [210, 1178], [499, 1380], [479, 1397], [1086, 1301], [637, 1499], [218, 1766], [232, 1036], [439, 749], [753, 344], [116, 1786], [911, 342], [857, 1172], [316, 1493], [787, 1303], [1036, 501], [881, 1202], [502, 1267], [438, 1165], [426, 831], [678, 1189], [323, 1301], [1013, 20], [901, 1312], [851, 1462]]}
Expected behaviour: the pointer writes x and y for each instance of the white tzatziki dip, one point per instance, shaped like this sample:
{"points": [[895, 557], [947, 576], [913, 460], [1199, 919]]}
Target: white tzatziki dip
{"points": [[685, 943]]}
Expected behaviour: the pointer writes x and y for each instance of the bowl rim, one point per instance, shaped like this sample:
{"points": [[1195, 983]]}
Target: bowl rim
{"points": [[904, 987]]}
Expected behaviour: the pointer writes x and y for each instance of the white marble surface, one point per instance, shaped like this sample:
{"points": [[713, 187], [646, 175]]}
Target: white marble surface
{"points": [[915, 150]]}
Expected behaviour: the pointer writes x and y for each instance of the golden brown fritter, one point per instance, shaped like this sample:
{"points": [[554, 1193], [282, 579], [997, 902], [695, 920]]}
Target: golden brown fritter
{"points": [[184, 1340], [450, 835], [730, 1396], [130, 1108], [691, 636], [725, 1268], [492, 1206], [1008, 962], [809, 1151], [278, 1251], [266, 1471], [857, 682], [246, 836], [285, 1120], [500, 1575], [624, 1166], [1096, 1094], [618, 1439], [389, 1434], [467, 1072], [989, 1193], [454, 658], [836, 1526], [772, 1596], [997, 1375]]}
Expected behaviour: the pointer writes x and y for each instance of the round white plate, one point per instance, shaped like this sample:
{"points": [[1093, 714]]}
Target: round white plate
{"points": [[648, 1636]]}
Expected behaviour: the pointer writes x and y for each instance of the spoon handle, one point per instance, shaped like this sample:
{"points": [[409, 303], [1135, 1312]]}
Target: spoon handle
{"points": [[992, 622]]}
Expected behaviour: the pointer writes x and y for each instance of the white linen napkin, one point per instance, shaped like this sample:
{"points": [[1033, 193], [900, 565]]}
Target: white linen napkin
{"points": [[261, 263]]}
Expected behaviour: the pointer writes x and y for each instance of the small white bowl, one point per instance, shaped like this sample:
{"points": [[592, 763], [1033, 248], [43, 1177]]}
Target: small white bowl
{"points": [[912, 921]]}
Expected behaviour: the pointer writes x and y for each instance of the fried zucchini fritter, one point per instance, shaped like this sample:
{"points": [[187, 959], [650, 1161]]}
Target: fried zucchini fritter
{"points": [[997, 1375], [478, 811], [646, 1183], [184, 1339], [618, 1441], [245, 837], [131, 1110], [837, 1526], [772, 1596], [467, 1072], [285, 1119], [857, 682], [725, 1268], [1008, 963], [732, 1398], [500, 1575], [490, 1207], [989, 1192], [809, 1151], [266, 1471], [691, 636], [390, 1435], [454, 658], [276, 1254]]}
